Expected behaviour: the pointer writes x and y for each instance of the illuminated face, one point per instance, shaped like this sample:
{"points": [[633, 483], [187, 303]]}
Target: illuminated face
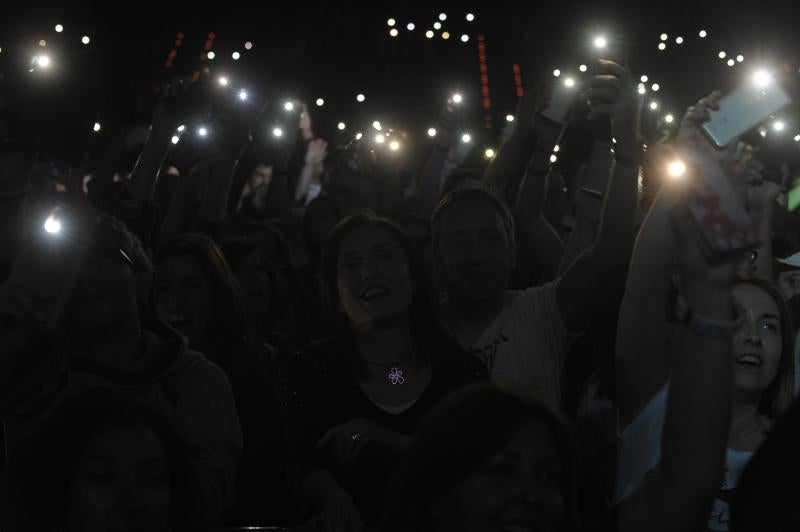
{"points": [[475, 254], [758, 345], [260, 177], [374, 280], [121, 483], [184, 297], [519, 488]]}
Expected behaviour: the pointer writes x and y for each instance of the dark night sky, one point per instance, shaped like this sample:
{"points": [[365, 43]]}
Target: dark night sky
{"points": [[335, 51]]}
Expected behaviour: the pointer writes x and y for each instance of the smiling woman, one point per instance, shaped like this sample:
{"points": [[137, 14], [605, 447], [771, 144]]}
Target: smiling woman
{"points": [[352, 403]]}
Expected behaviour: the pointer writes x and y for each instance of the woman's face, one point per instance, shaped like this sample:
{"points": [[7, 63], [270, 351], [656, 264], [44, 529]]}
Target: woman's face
{"points": [[185, 297], [256, 287], [758, 344], [121, 483], [374, 280], [517, 490]]}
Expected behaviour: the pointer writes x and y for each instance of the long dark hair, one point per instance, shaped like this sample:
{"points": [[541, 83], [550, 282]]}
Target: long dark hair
{"points": [[425, 320], [232, 337], [43, 469], [456, 439]]}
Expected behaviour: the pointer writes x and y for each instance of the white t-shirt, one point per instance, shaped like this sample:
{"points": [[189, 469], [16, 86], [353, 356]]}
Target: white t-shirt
{"points": [[525, 346], [639, 454]]}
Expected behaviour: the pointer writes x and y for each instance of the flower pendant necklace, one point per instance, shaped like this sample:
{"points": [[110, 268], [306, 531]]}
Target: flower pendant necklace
{"points": [[395, 373]]}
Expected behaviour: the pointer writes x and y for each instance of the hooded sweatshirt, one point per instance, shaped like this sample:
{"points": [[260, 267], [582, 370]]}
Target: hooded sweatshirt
{"points": [[182, 384]]}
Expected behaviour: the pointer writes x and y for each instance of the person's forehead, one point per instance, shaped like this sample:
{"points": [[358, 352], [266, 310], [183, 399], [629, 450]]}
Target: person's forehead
{"points": [[366, 237], [472, 213], [754, 298]]}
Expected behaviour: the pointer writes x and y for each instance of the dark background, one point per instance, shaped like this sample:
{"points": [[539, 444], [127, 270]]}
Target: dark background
{"points": [[335, 51]]}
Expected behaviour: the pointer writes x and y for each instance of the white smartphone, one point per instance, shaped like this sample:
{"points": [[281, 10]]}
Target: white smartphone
{"points": [[564, 92], [742, 110]]}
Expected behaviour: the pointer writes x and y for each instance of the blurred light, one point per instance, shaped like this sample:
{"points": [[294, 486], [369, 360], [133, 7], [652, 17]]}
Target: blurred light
{"points": [[678, 40], [797, 138], [703, 34], [52, 225], [236, 56], [360, 97], [175, 139], [740, 58], [43, 61], [762, 78], [223, 81], [556, 148], [59, 28], [464, 38], [644, 79], [278, 132], [181, 127], [653, 105], [393, 32], [202, 132], [655, 87], [85, 39], [359, 135], [470, 17], [762, 131], [97, 127], [457, 98], [778, 126], [376, 125], [320, 102], [583, 68], [429, 34], [553, 158], [509, 118], [380, 139], [466, 138], [211, 55], [442, 17], [669, 119], [42, 43], [243, 95], [394, 145], [556, 72], [341, 126], [248, 45], [489, 153], [641, 89], [600, 42], [721, 55], [289, 106], [431, 132], [391, 22], [445, 35], [664, 37], [410, 26], [662, 46], [437, 25], [731, 62], [569, 82], [676, 168]]}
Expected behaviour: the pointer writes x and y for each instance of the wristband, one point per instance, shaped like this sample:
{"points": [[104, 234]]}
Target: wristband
{"points": [[705, 326]]}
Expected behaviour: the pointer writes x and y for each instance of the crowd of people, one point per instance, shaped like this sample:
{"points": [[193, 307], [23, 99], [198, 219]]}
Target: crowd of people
{"points": [[225, 335]]}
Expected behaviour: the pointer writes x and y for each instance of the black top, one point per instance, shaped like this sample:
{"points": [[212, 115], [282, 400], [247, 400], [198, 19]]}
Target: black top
{"points": [[318, 392]]}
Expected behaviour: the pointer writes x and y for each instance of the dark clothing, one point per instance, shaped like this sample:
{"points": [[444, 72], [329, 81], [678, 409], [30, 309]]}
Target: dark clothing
{"points": [[319, 392]]}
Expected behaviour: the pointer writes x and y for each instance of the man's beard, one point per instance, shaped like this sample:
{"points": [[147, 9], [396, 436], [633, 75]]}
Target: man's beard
{"points": [[255, 203]]}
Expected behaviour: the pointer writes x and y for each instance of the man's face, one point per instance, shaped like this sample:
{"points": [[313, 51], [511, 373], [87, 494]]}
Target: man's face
{"points": [[260, 177], [475, 255], [789, 283]]}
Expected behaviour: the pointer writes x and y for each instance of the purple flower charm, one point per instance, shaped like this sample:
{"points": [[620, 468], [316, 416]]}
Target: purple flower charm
{"points": [[396, 376]]}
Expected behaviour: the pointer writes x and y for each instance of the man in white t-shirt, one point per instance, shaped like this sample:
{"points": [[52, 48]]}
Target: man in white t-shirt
{"points": [[521, 335]]}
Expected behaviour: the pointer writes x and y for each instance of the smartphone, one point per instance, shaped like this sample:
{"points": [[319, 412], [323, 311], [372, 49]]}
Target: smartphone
{"points": [[719, 217], [742, 110], [598, 170], [561, 99]]}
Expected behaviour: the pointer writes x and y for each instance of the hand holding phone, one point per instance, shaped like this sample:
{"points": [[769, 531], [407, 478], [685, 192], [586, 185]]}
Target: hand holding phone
{"points": [[562, 96]]}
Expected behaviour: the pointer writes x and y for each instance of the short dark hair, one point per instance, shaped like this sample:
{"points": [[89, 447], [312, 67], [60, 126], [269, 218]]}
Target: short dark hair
{"points": [[424, 317], [42, 471], [474, 192], [458, 437]]}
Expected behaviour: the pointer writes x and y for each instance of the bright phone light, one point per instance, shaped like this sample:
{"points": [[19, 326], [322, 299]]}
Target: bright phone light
{"points": [[464, 38], [556, 148], [43, 43], [509, 118], [664, 37], [431, 132], [202, 132], [223, 81], [653, 105], [380, 139], [85, 39], [359, 135], [778, 126], [437, 25], [797, 138], [679, 40], [470, 17], [391, 22], [236, 56], [655, 87], [393, 32], [341, 125], [676, 168], [569, 82], [97, 127], [466, 138], [243, 95], [376, 125], [457, 98], [360, 98], [669, 119], [248, 45], [211, 55], [600, 42], [442, 17], [52, 225], [489, 153], [556, 72], [43, 61], [762, 78], [394, 145], [739, 58], [320, 102], [181, 127], [410, 26], [662, 46], [429, 34], [445, 35], [641, 88], [703, 34], [289, 106], [553, 158], [277, 132], [59, 28], [583, 68], [175, 139], [643, 79], [722, 55]]}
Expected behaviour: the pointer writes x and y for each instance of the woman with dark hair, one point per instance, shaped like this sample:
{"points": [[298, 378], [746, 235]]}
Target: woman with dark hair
{"points": [[352, 403], [100, 462]]}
